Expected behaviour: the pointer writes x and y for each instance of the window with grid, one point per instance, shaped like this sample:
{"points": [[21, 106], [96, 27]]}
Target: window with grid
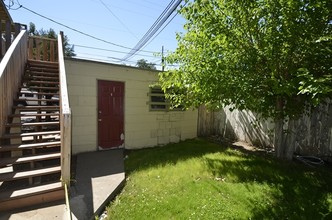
{"points": [[158, 101]]}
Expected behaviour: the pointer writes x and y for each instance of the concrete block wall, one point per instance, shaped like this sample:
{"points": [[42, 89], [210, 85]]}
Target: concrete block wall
{"points": [[143, 128]]}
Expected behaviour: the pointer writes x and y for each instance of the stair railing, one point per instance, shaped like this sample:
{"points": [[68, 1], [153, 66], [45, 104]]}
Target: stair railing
{"points": [[9, 31], [42, 49], [11, 71], [65, 117]]}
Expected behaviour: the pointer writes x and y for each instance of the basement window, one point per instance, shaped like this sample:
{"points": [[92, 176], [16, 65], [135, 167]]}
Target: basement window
{"points": [[158, 102]]}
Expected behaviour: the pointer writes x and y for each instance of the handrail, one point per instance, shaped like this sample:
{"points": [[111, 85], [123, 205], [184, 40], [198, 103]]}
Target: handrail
{"points": [[65, 117], [65, 124], [11, 71]]}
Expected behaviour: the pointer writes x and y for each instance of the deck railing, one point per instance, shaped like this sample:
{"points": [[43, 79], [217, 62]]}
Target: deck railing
{"points": [[11, 70], [65, 117], [9, 31], [51, 50], [43, 49]]}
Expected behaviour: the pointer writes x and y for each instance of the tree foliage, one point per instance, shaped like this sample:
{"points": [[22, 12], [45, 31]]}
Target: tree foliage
{"points": [[142, 63], [68, 48], [273, 57]]}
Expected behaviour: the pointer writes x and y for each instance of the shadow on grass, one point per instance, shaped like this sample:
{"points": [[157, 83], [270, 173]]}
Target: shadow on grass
{"points": [[294, 190], [169, 154], [298, 192]]}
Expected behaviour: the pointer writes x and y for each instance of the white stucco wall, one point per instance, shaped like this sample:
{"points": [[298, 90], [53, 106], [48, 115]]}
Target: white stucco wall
{"points": [[143, 128]]}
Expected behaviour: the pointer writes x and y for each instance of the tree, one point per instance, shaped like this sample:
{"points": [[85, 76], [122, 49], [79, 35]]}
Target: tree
{"points": [[142, 63], [270, 57], [68, 48]]}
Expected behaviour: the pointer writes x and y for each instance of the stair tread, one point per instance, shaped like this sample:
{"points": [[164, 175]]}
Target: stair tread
{"points": [[37, 107], [45, 123], [36, 62], [42, 82], [30, 191], [41, 87], [24, 146], [42, 65], [28, 99], [38, 93], [42, 70], [17, 160], [28, 77], [29, 173], [37, 73], [33, 114], [51, 65], [30, 134]]}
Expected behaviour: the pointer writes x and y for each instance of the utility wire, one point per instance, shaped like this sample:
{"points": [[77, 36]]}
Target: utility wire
{"points": [[73, 29], [151, 29], [123, 24], [163, 27], [159, 31], [115, 51], [171, 7]]}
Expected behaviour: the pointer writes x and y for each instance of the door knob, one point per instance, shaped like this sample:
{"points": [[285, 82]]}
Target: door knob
{"points": [[99, 119]]}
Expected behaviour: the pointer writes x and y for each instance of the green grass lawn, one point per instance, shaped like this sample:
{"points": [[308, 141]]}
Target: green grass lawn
{"points": [[196, 179]]}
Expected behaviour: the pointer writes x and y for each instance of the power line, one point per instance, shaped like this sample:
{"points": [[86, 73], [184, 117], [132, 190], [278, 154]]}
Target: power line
{"points": [[171, 7], [73, 29], [151, 29], [164, 26], [147, 43], [108, 50], [123, 24]]}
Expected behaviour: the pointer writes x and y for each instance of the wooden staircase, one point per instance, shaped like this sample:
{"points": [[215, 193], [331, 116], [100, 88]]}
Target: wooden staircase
{"points": [[30, 154]]}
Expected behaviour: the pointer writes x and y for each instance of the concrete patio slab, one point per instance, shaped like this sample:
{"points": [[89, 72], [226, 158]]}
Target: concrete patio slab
{"points": [[52, 211], [99, 177]]}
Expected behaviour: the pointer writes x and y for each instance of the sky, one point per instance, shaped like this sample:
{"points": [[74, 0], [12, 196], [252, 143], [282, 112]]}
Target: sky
{"points": [[120, 22]]}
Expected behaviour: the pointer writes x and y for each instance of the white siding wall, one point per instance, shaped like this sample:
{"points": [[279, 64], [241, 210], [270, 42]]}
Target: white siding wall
{"points": [[143, 128]]}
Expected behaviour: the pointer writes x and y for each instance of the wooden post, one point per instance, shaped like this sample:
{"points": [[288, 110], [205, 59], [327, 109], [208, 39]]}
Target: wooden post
{"points": [[8, 35], [162, 59], [65, 117], [30, 48], [1, 42]]}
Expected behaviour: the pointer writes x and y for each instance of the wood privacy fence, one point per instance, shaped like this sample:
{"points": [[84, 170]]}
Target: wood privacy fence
{"points": [[309, 135]]}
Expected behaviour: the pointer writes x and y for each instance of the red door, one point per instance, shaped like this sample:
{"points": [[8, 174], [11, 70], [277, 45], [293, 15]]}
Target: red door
{"points": [[110, 114]]}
